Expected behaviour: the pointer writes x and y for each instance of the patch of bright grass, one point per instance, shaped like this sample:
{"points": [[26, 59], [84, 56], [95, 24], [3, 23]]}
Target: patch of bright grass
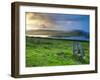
{"points": [[52, 52]]}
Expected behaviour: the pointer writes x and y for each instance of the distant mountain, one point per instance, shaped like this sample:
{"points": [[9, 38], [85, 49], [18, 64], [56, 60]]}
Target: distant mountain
{"points": [[58, 33]]}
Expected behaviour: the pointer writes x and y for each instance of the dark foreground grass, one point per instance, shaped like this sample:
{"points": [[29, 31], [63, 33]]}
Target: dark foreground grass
{"points": [[52, 52]]}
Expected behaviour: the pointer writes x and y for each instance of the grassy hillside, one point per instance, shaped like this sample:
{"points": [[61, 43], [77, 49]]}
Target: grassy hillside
{"points": [[52, 52]]}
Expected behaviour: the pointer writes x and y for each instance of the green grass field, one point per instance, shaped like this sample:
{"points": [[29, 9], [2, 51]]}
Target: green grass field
{"points": [[52, 52]]}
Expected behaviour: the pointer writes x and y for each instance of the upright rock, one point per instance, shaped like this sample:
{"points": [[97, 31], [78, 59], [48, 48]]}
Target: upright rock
{"points": [[78, 50]]}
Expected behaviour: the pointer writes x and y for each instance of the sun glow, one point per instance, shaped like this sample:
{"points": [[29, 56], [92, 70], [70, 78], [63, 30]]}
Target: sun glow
{"points": [[37, 21]]}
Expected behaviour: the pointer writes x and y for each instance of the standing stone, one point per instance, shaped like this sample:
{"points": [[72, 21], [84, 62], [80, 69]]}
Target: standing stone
{"points": [[78, 50]]}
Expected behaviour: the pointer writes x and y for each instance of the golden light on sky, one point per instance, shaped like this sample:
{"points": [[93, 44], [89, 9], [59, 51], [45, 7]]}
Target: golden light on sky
{"points": [[37, 21]]}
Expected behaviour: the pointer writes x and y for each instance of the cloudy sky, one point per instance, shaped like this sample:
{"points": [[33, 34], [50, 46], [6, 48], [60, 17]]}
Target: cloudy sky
{"points": [[50, 21]]}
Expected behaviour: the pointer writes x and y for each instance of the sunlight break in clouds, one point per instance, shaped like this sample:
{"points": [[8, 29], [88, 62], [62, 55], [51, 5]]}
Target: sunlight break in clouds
{"points": [[38, 21]]}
